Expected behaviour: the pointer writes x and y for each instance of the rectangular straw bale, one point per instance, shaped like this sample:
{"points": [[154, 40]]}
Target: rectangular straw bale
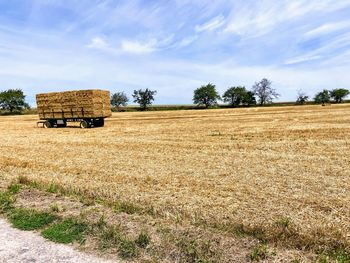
{"points": [[74, 104]]}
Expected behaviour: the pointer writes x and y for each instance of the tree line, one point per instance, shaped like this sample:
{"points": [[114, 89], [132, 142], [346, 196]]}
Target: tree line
{"points": [[207, 96], [261, 93]]}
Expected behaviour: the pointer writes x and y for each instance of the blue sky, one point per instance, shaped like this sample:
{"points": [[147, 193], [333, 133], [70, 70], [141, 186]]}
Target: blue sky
{"points": [[174, 46]]}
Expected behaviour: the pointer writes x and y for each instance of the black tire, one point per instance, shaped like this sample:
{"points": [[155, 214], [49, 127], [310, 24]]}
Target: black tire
{"points": [[84, 124], [99, 123], [48, 125]]}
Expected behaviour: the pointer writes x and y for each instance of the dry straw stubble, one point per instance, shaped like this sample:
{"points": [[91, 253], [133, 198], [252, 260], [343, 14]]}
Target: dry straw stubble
{"points": [[260, 167]]}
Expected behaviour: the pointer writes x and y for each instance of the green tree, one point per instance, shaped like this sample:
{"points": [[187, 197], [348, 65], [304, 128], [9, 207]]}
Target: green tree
{"points": [[338, 95], [249, 99], [206, 95], [13, 100], [119, 99], [264, 91], [323, 97], [235, 95], [302, 98], [144, 97]]}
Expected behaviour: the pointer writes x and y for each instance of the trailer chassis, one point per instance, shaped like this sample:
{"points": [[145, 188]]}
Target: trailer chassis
{"points": [[60, 123]]}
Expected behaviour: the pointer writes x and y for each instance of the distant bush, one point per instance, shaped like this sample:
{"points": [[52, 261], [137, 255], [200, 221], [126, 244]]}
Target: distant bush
{"points": [[302, 98], [206, 95], [236, 96], [322, 97], [144, 97], [338, 95], [13, 100], [264, 91], [119, 99]]}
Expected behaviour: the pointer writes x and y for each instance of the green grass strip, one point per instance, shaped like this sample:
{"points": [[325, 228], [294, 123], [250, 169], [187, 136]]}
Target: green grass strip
{"points": [[30, 219], [6, 201], [66, 231]]}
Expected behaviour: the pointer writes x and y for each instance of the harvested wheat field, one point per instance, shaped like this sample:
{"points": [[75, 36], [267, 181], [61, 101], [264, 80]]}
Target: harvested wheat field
{"points": [[280, 174]]}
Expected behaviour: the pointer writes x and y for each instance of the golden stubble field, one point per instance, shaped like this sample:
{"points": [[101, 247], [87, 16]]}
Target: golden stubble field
{"points": [[254, 166]]}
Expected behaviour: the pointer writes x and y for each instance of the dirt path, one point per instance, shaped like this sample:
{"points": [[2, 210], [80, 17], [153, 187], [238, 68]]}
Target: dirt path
{"points": [[21, 246]]}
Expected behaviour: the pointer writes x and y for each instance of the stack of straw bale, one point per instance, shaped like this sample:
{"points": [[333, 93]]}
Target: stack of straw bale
{"points": [[74, 104]]}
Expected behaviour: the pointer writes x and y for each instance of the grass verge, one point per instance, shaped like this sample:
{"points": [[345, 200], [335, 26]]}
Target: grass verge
{"points": [[71, 229], [283, 233], [66, 231], [6, 202], [113, 237], [30, 219]]}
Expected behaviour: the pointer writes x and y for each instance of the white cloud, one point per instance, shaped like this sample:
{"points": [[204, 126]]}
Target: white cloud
{"points": [[186, 41], [132, 46], [328, 28], [255, 20], [301, 59], [40, 57], [135, 47], [325, 52], [263, 16], [98, 43], [175, 80], [126, 46], [211, 25]]}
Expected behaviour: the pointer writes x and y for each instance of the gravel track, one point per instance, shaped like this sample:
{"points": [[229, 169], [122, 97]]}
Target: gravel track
{"points": [[22, 246]]}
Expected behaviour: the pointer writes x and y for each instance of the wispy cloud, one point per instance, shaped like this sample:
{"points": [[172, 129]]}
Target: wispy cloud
{"points": [[211, 25], [186, 41], [261, 17], [340, 44], [300, 59], [98, 43], [173, 46], [328, 28], [135, 47]]}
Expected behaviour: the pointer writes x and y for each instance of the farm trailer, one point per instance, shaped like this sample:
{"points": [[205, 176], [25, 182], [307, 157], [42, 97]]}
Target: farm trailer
{"points": [[89, 107]]}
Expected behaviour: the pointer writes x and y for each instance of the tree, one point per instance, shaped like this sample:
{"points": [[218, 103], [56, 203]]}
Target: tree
{"points": [[206, 95], [249, 99], [264, 91], [144, 97], [322, 97], [13, 99], [235, 95], [302, 97], [339, 94], [119, 99]]}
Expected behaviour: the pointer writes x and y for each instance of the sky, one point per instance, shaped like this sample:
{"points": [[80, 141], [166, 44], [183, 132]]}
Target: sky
{"points": [[174, 46]]}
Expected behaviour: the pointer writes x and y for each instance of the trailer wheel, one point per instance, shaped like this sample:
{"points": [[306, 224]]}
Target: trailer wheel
{"points": [[84, 124], [47, 125], [99, 123]]}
